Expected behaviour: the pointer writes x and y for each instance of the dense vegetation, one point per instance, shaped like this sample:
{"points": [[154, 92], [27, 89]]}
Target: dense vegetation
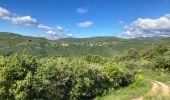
{"points": [[25, 77], [54, 70], [71, 47]]}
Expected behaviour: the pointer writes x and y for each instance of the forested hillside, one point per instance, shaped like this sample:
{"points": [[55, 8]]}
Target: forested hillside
{"points": [[70, 47], [102, 68]]}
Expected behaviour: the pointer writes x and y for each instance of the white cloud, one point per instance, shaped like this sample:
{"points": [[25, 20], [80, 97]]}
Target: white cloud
{"points": [[70, 34], [60, 32], [85, 24], [67, 30], [27, 20], [82, 10], [149, 27], [51, 37], [121, 22], [51, 32], [59, 28], [43, 27], [4, 13], [13, 18]]}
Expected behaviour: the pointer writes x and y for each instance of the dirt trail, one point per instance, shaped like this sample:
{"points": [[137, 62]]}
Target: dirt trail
{"points": [[157, 88]]}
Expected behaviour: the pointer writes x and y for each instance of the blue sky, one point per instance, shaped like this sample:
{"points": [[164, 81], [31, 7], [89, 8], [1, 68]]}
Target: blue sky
{"points": [[85, 18]]}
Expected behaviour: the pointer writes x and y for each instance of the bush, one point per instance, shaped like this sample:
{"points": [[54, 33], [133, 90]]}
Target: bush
{"points": [[16, 77], [117, 75], [53, 82], [130, 65], [162, 62], [69, 81], [88, 82], [23, 77], [95, 59], [154, 51], [130, 54]]}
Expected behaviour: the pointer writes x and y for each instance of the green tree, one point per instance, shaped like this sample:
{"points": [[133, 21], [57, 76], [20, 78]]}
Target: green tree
{"points": [[117, 75], [95, 59], [130, 54], [16, 77], [153, 51]]}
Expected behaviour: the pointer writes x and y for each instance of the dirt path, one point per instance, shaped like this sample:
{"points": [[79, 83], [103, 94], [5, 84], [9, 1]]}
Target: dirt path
{"points": [[157, 88]]}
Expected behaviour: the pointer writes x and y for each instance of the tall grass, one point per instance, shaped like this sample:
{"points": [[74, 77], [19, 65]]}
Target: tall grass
{"points": [[137, 89]]}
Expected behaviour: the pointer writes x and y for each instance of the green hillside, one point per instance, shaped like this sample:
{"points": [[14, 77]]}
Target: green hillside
{"points": [[98, 68], [11, 43]]}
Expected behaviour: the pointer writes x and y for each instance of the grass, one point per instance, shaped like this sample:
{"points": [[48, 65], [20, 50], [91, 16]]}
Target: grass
{"points": [[140, 87], [137, 89], [162, 76]]}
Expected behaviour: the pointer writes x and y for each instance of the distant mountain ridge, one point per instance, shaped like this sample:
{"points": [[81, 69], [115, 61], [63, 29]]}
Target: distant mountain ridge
{"points": [[11, 43], [151, 38]]}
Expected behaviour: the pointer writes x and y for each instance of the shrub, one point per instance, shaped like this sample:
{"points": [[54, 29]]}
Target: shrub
{"points": [[154, 51], [130, 65], [95, 59], [130, 54], [162, 62], [53, 82], [69, 81], [117, 75], [22, 77], [88, 82], [16, 77]]}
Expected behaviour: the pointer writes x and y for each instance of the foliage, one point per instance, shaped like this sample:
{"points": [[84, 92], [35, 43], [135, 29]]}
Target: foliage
{"points": [[78, 69], [130, 54], [136, 89], [16, 77], [130, 65], [162, 62], [72, 47], [117, 76], [154, 51], [24, 77], [95, 59]]}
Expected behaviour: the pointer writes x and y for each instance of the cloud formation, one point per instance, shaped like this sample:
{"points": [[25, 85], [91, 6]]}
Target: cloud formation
{"points": [[70, 34], [59, 29], [28, 20], [85, 24], [149, 27], [121, 22], [4, 13], [51, 32], [15, 19], [43, 27], [82, 10]]}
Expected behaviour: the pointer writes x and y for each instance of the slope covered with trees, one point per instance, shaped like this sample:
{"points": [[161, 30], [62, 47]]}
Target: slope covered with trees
{"points": [[69, 69], [70, 47]]}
